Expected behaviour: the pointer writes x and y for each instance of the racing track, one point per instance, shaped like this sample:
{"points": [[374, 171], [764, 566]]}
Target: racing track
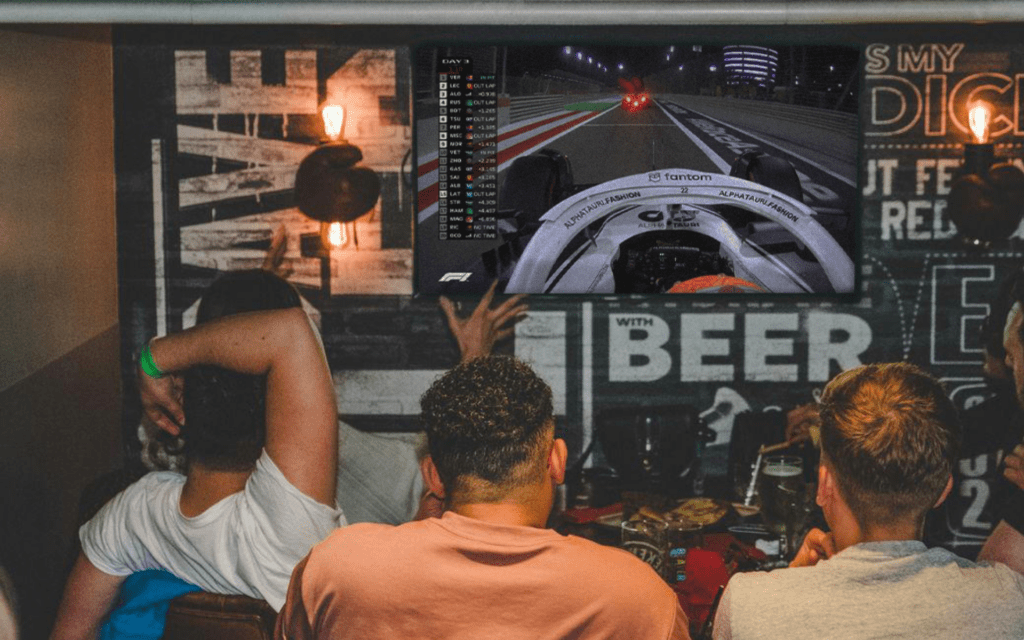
{"points": [[674, 133]]}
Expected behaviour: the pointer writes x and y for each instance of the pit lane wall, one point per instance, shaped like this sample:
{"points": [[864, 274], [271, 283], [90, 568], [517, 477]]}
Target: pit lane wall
{"points": [[802, 118]]}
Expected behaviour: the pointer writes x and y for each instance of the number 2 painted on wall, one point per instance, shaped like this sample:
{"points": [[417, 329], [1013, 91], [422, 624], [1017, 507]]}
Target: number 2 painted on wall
{"points": [[980, 491]]}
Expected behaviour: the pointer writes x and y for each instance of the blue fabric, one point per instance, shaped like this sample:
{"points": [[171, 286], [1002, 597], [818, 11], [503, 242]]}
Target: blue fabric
{"points": [[141, 610]]}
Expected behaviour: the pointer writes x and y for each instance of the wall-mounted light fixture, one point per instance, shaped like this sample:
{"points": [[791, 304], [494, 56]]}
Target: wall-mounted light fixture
{"points": [[329, 187], [986, 198]]}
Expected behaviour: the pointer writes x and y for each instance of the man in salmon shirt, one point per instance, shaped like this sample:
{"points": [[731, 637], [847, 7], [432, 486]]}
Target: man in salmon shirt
{"points": [[487, 568]]}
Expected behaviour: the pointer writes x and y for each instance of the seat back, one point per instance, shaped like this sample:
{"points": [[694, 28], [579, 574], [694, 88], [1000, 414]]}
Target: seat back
{"points": [[202, 616]]}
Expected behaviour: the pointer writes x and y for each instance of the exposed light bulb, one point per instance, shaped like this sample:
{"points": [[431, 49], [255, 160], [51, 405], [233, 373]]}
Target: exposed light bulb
{"points": [[336, 234], [334, 120], [979, 118]]}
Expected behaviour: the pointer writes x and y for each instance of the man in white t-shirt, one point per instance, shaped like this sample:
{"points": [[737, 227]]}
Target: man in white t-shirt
{"points": [[251, 504], [246, 512], [378, 472]]}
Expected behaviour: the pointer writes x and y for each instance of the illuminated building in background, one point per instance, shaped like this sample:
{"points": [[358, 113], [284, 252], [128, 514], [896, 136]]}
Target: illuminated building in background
{"points": [[750, 65]]}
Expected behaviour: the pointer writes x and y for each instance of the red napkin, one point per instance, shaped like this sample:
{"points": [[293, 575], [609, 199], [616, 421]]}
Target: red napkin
{"points": [[586, 515], [705, 572], [707, 569]]}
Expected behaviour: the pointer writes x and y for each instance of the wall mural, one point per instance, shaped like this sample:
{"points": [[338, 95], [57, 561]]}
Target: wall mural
{"points": [[208, 139], [223, 129], [211, 128]]}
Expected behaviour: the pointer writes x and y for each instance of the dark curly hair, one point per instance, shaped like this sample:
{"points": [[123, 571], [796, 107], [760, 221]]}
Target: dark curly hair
{"points": [[225, 421], [892, 436], [487, 419]]}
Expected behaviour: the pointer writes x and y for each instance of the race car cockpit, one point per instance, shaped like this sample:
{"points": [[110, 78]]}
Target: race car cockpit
{"points": [[667, 230]]}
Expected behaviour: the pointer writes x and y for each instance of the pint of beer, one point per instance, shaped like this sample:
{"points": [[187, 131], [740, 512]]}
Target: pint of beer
{"points": [[782, 494]]}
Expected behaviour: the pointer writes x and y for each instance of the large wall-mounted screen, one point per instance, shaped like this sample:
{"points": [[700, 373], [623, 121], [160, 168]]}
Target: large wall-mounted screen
{"points": [[683, 168]]}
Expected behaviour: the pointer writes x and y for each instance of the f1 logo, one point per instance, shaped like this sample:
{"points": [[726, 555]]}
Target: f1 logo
{"points": [[457, 276]]}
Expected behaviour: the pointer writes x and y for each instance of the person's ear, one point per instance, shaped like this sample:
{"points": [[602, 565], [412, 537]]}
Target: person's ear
{"points": [[826, 485], [431, 478], [557, 460], [945, 492]]}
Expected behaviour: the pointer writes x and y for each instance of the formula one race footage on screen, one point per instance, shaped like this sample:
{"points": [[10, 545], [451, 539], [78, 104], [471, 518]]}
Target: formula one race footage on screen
{"points": [[660, 169]]}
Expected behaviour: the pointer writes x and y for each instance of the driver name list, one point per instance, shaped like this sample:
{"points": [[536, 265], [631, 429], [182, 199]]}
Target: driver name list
{"points": [[467, 147]]}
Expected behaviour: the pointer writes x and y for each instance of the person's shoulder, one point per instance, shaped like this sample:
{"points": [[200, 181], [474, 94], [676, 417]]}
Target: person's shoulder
{"points": [[367, 548], [981, 570], [116, 538], [991, 585], [996, 572], [361, 531], [369, 538], [629, 594], [159, 479], [1005, 572], [942, 556], [153, 480], [776, 581], [982, 576], [143, 493], [585, 547], [618, 564]]}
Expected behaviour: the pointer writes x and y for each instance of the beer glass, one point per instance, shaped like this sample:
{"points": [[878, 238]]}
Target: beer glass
{"points": [[681, 536], [647, 539], [782, 495]]}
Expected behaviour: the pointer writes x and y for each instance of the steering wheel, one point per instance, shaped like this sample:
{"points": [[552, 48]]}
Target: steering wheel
{"points": [[579, 238]]}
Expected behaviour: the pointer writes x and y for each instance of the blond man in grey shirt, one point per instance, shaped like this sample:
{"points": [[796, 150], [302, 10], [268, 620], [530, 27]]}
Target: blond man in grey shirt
{"points": [[889, 438]]}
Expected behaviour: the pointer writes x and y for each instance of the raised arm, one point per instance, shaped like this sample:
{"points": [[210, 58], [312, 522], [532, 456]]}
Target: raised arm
{"points": [[302, 429], [478, 333]]}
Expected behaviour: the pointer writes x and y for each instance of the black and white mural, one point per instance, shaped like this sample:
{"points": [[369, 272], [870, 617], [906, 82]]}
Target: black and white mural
{"points": [[210, 132], [211, 126]]}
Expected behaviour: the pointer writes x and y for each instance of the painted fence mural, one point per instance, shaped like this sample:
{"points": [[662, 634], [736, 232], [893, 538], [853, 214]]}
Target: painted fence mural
{"points": [[210, 133], [222, 130], [205, 168]]}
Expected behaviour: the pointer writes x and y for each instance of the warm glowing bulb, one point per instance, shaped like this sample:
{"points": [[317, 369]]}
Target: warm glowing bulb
{"points": [[334, 121], [336, 234], [979, 117]]}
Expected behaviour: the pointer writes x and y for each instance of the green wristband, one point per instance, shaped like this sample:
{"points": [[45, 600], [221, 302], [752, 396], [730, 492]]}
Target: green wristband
{"points": [[146, 362]]}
